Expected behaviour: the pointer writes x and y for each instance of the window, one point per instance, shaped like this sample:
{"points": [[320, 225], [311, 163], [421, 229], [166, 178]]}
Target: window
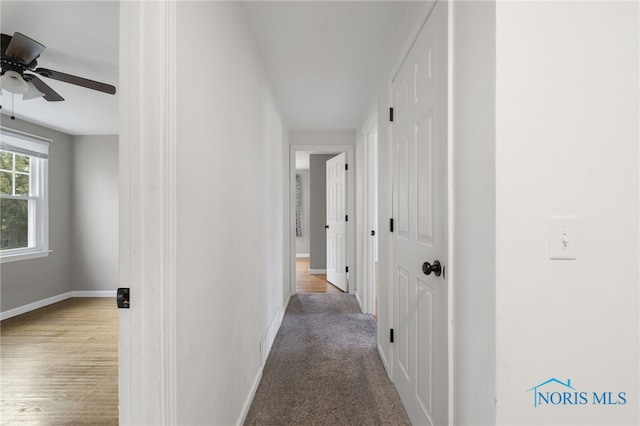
{"points": [[23, 196]]}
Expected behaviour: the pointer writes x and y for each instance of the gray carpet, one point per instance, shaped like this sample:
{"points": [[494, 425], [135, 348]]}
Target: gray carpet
{"points": [[324, 369]]}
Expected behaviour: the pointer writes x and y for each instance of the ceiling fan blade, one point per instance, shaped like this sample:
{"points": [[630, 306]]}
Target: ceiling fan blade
{"points": [[78, 81], [49, 94], [23, 48], [6, 39]]}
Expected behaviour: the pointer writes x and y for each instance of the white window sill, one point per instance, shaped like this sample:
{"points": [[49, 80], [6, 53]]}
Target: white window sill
{"points": [[5, 258]]}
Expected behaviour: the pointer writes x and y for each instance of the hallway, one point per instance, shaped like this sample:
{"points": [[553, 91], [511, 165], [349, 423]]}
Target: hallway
{"points": [[324, 368], [207, 156]]}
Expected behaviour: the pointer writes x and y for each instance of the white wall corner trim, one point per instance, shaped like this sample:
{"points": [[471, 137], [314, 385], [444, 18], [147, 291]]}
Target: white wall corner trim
{"points": [[35, 305]]}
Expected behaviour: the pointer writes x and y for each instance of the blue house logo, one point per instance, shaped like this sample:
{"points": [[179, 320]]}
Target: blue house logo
{"points": [[556, 397], [556, 392]]}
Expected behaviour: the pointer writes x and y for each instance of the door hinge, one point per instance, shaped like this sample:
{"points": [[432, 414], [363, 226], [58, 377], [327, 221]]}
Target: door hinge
{"points": [[373, 233], [391, 115], [346, 269], [346, 166], [391, 225], [346, 218], [391, 335]]}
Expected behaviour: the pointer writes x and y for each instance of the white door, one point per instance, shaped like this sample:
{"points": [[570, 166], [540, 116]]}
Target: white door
{"points": [[337, 221], [419, 143]]}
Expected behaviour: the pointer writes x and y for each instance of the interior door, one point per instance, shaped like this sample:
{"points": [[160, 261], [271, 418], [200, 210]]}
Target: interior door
{"points": [[337, 221], [419, 146]]}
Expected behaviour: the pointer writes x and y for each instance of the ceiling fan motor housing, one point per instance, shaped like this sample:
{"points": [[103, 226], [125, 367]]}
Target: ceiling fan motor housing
{"points": [[20, 54]]}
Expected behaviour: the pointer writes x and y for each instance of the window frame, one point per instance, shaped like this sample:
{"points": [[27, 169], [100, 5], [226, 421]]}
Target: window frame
{"points": [[37, 149]]}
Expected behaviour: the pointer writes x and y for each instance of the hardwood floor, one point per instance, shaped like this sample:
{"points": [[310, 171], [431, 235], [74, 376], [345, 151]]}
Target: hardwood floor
{"points": [[59, 364], [311, 283]]}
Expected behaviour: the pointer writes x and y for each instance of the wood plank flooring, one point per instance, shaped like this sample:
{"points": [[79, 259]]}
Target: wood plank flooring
{"points": [[311, 283], [59, 364]]}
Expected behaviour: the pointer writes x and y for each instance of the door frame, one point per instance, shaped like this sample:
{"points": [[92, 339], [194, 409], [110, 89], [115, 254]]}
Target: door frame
{"points": [[367, 273], [390, 297], [147, 366], [351, 254]]}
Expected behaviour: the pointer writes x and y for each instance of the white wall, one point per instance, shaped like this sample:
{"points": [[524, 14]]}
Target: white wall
{"points": [[29, 281], [567, 144], [83, 221], [322, 137], [230, 216], [94, 213], [474, 205]]}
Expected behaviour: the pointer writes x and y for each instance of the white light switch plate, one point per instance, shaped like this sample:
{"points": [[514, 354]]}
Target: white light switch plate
{"points": [[563, 237]]}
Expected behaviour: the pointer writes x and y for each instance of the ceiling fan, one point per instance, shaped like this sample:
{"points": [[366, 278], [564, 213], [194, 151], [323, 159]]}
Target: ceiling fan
{"points": [[20, 75]]}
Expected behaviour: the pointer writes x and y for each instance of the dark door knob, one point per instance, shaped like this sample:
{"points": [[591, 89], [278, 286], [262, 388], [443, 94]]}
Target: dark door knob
{"points": [[326, 227], [428, 268]]}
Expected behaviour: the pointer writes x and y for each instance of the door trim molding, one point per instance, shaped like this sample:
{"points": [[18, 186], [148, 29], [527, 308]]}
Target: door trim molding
{"points": [[366, 174], [147, 341], [450, 212], [169, 216], [351, 229]]}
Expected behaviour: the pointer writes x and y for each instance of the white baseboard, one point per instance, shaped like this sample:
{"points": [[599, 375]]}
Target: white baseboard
{"points": [[317, 271], [303, 255], [94, 293], [359, 303], [286, 305], [385, 363], [35, 305], [51, 300], [249, 400]]}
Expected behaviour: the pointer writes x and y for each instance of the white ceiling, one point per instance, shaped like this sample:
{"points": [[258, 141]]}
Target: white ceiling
{"points": [[81, 38], [321, 56]]}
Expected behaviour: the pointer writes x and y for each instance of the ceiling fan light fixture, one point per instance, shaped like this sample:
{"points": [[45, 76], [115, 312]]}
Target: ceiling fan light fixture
{"points": [[32, 92], [13, 82]]}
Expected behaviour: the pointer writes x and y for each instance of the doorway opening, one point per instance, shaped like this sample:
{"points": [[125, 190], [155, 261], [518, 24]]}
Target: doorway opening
{"points": [[311, 245]]}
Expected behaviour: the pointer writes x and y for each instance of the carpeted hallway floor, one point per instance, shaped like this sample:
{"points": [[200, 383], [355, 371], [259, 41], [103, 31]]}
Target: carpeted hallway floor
{"points": [[324, 369]]}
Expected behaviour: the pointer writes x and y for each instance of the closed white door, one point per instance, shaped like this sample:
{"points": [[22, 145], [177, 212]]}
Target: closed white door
{"points": [[419, 143], [337, 221]]}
